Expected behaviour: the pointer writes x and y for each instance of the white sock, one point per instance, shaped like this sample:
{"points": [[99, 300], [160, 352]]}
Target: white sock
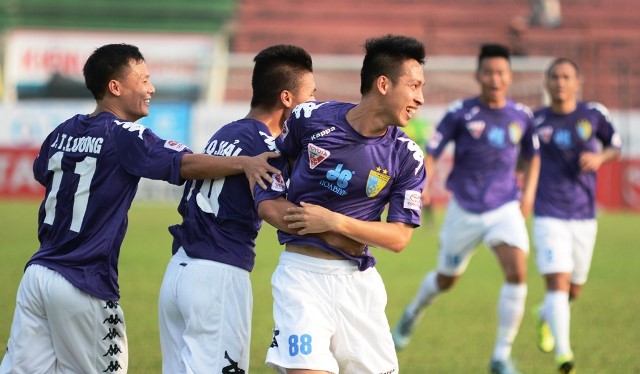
{"points": [[558, 315], [510, 310], [426, 294]]}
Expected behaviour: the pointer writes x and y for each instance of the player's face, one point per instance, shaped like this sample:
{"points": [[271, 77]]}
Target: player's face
{"points": [[305, 91], [494, 75], [563, 83], [405, 95], [136, 92]]}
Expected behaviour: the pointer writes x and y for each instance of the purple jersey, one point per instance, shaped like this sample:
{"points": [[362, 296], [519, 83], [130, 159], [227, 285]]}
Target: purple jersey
{"points": [[91, 167], [220, 222], [487, 145], [563, 190], [345, 172]]}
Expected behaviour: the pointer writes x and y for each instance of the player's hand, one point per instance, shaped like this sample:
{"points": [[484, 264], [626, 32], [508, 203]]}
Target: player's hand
{"points": [[310, 219], [590, 161], [258, 170]]}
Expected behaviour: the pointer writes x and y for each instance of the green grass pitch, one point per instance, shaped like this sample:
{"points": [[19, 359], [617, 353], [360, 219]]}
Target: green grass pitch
{"points": [[456, 335]]}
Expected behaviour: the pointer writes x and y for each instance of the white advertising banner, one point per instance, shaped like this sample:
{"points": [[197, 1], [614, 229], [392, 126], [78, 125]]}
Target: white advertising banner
{"points": [[179, 61]]}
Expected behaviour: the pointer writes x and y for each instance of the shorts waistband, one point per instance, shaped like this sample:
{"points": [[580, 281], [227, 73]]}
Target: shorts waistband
{"points": [[181, 257], [318, 265]]}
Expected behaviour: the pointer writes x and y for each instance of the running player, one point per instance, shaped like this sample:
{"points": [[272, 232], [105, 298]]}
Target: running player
{"points": [[490, 132], [565, 223]]}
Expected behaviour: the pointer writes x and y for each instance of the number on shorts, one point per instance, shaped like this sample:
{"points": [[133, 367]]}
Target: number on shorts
{"points": [[299, 345]]}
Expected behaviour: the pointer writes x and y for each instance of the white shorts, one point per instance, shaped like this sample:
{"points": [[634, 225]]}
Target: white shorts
{"points": [[462, 231], [565, 246], [329, 316], [204, 310], [59, 329]]}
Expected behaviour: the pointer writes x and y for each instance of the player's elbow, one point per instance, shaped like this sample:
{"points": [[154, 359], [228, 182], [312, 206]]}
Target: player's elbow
{"points": [[400, 242]]}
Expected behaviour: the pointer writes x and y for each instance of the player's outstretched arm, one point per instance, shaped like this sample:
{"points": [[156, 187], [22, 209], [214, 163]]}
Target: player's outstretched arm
{"points": [[311, 218], [202, 166]]}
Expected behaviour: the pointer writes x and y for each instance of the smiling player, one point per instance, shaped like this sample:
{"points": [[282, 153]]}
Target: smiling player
{"points": [[490, 132]]}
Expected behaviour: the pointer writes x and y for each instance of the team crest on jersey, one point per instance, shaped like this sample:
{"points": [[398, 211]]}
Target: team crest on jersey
{"points": [[515, 132], [316, 155], [584, 129], [476, 128], [545, 134], [377, 181]]}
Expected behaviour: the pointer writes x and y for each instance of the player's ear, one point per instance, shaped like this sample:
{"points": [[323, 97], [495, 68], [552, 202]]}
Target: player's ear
{"points": [[114, 87], [286, 98], [383, 84]]}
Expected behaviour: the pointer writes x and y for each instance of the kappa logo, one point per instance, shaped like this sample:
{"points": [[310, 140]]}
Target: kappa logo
{"points": [[316, 155], [131, 127], [233, 367]]}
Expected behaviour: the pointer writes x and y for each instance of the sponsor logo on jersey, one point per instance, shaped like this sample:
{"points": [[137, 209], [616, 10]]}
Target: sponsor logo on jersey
{"points": [[176, 146], [545, 133], [277, 183], [583, 128], [496, 137], [323, 133], [316, 155], [412, 200], [515, 132], [377, 181], [475, 128], [562, 139], [340, 177]]}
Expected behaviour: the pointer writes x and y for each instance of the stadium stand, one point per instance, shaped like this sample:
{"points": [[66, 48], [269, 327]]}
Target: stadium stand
{"points": [[122, 15], [601, 35]]}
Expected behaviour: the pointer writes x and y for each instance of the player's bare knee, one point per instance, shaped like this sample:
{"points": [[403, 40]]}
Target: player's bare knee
{"points": [[515, 275], [446, 282]]}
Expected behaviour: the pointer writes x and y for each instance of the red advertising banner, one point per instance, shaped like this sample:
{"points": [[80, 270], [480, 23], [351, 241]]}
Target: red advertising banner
{"points": [[16, 174]]}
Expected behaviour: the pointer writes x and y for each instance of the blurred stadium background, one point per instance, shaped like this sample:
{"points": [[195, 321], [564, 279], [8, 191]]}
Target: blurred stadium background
{"points": [[200, 56]]}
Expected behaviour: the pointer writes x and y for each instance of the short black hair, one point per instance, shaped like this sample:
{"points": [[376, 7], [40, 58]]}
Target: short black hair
{"points": [[277, 68], [493, 50], [106, 63], [563, 60], [385, 55]]}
